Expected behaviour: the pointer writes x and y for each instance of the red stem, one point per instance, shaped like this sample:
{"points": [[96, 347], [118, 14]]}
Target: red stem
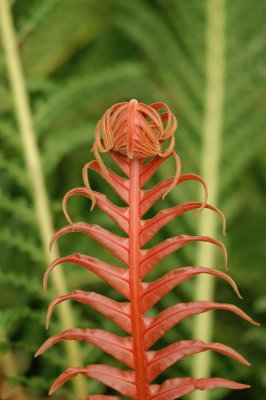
{"points": [[135, 279]]}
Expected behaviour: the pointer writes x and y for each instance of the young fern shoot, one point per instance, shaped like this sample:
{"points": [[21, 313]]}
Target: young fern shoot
{"points": [[134, 135]]}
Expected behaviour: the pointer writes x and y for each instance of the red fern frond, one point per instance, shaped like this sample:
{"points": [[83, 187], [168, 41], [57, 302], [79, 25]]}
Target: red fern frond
{"points": [[131, 133]]}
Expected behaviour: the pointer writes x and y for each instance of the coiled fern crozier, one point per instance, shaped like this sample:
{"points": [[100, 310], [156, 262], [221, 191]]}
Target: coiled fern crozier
{"points": [[134, 135]]}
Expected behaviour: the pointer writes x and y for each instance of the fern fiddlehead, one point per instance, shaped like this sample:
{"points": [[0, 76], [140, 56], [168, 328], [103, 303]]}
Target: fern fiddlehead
{"points": [[131, 133]]}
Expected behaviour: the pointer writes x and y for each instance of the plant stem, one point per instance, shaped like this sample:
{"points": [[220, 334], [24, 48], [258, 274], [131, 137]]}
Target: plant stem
{"points": [[36, 177], [211, 155], [135, 288]]}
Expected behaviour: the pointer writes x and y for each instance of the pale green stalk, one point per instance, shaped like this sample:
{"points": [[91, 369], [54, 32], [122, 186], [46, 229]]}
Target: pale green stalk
{"points": [[8, 365], [36, 178], [210, 171]]}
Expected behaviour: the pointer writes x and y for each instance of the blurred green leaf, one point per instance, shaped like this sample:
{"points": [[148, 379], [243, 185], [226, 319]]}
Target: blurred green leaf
{"points": [[81, 57]]}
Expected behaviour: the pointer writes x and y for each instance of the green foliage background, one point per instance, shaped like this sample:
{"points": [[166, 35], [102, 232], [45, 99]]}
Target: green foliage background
{"points": [[79, 57]]}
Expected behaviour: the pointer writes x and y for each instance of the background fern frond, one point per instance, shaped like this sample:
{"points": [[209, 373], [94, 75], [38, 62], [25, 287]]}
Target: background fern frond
{"points": [[21, 243], [18, 208], [33, 16], [81, 57], [57, 147], [14, 171]]}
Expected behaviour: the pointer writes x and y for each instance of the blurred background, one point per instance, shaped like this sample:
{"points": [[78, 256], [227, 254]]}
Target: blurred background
{"points": [[78, 58]]}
